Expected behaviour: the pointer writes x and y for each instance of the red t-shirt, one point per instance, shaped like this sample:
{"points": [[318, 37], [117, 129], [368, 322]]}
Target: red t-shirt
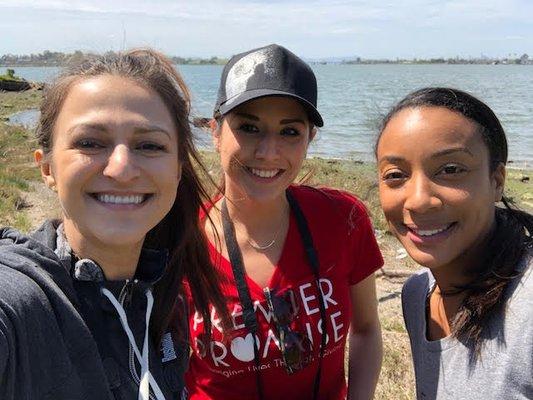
{"points": [[348, 253]]}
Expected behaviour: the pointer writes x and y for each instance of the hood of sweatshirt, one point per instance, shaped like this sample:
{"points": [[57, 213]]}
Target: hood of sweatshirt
{"points": [[60, 277], [46, 349]]}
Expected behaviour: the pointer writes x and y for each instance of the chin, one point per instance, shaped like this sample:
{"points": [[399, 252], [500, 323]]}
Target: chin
{"points": [[121, 235], [429, 260], [118, 241]]}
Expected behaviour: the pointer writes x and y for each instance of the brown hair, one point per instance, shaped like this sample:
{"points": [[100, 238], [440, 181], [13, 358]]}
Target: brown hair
{"points": [[179, 232]]}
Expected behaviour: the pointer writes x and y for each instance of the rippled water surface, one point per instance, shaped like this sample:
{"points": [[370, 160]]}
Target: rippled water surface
{"points": [[352, 98]]}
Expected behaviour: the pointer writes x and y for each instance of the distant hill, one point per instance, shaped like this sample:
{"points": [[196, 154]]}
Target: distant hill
{"points": [[58, 59]]}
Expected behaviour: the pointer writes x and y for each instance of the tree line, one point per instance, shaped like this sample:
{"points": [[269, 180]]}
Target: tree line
{"points": [[56, 58]]}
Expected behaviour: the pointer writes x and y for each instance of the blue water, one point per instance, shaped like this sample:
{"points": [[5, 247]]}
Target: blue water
{"points": [[352, 99]]}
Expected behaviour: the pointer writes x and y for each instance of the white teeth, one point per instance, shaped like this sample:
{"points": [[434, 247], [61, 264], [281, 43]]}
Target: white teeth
{"points": [[431, 231], [112, 199], [264, 173]]}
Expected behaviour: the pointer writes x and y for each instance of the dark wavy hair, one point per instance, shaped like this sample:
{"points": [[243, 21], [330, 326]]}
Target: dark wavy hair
{"points": [[506, 245], [179, 232]]}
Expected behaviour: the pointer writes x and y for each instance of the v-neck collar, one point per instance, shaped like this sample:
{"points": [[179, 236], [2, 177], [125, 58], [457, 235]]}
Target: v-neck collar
{"points": [[288, 244]]}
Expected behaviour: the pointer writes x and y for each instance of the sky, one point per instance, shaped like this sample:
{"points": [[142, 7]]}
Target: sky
{"points": [[313, 29]]}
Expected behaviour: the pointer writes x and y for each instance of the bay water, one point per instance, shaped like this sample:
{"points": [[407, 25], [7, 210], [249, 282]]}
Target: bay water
{"points": [[354, 98]]}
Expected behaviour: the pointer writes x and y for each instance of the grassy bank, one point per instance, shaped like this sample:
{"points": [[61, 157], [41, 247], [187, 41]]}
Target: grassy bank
{"points": [[16, 166]]}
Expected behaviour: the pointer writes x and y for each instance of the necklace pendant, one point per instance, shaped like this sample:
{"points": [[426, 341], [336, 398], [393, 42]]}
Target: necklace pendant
{"points": [[259, 247]]}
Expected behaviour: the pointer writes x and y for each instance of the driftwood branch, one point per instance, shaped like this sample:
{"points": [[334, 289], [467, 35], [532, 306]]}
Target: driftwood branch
{"points": [[394, 273]]}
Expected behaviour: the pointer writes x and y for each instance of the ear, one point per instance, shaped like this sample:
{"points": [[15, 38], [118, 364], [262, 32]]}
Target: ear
{"points": [[498, 176], [215, 133], [312, 133], [45, 167]]}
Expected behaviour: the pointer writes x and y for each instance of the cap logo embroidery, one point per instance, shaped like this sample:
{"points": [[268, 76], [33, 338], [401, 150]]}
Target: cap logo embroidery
{"points": [[244, 69]]}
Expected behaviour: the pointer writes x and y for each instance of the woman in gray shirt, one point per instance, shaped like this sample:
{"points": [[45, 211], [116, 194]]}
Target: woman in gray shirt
{"points": [[441, 159]]}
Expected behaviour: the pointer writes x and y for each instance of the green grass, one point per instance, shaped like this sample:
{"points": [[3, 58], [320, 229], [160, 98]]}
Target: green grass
{"points": [[518, 189], [16, 172], [10, 78], [393, 325], [12, 102], [396, 381]]}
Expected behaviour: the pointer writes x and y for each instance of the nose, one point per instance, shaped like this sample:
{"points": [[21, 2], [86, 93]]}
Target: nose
{"points": [[421, 196], [121, 164], [268, 147]]}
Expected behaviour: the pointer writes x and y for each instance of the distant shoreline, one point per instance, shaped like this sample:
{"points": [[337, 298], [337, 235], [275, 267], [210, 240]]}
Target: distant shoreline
{"points": [[59, 59], [54, 65]]}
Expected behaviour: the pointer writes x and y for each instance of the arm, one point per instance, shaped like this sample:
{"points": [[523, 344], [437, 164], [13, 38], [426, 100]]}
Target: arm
{"points": [[4, 355], [366, 348]]}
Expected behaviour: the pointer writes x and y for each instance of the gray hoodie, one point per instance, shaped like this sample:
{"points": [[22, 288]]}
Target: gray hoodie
{"points": [[61, 338]]}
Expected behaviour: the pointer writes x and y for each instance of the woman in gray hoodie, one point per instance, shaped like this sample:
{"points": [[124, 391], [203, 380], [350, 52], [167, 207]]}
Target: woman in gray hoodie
{"points": [[88, 304]]}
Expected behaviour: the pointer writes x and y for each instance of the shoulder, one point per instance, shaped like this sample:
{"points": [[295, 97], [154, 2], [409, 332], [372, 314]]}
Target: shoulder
{"points": [[34, 264], [414, 294], [521, 289], [22, 300], [417, 286]]}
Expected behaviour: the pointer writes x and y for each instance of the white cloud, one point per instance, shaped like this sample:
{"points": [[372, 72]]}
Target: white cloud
{"points": [[223, 27]]}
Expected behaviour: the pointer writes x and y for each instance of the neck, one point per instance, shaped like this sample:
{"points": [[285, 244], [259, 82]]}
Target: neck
{"points": [[254, 213], [464, 268], [257, 224], [448, 279], [117, 262]]}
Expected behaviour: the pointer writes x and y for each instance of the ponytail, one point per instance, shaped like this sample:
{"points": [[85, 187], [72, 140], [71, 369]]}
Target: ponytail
{"points": [[507, 248]]}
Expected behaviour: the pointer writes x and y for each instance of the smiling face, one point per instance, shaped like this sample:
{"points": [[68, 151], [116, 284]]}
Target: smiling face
{"points": [[436, 188], [262, 146], [114, 161]]}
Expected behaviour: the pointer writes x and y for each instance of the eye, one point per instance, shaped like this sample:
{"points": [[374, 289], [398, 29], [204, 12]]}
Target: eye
{"points": [[393, 177], [150, 147], [88, 144], [451, 169], [289, 131], [248, 128]]}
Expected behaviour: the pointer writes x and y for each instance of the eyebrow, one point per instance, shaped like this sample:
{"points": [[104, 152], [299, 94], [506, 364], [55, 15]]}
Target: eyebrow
{"points": [[103, 128], [247, 116], [291, 120], [452, 150], [445, 152], [151, 128], [282, 122]]}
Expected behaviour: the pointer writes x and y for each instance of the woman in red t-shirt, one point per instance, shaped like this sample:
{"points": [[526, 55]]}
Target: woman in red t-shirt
{"points": [[299, 261]]}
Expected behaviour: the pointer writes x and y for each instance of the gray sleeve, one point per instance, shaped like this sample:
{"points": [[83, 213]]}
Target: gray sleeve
{"points": [[8, 341], [31, 345], [414, 294], [4, 350]]}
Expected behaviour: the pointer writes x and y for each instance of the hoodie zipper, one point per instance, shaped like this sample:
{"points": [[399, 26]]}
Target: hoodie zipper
{"points": [[125, 298]]}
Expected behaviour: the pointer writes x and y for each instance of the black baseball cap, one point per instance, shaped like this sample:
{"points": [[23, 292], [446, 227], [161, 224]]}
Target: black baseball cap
{"points": [[267, 71]]}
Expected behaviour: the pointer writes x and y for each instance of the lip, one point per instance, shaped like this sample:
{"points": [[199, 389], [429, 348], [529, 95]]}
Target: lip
{"points": [[413, 233]]}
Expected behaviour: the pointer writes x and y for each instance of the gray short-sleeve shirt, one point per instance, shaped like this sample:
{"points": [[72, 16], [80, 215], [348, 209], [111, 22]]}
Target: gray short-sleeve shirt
{"points": [[444, 368]]}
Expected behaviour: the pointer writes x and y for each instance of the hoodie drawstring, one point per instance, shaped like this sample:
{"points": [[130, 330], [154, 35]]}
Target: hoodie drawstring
{"points": [[147, 380]]}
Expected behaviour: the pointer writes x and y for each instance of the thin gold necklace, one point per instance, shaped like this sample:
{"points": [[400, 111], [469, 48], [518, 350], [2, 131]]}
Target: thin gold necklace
{"points": [[259, 247]]}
